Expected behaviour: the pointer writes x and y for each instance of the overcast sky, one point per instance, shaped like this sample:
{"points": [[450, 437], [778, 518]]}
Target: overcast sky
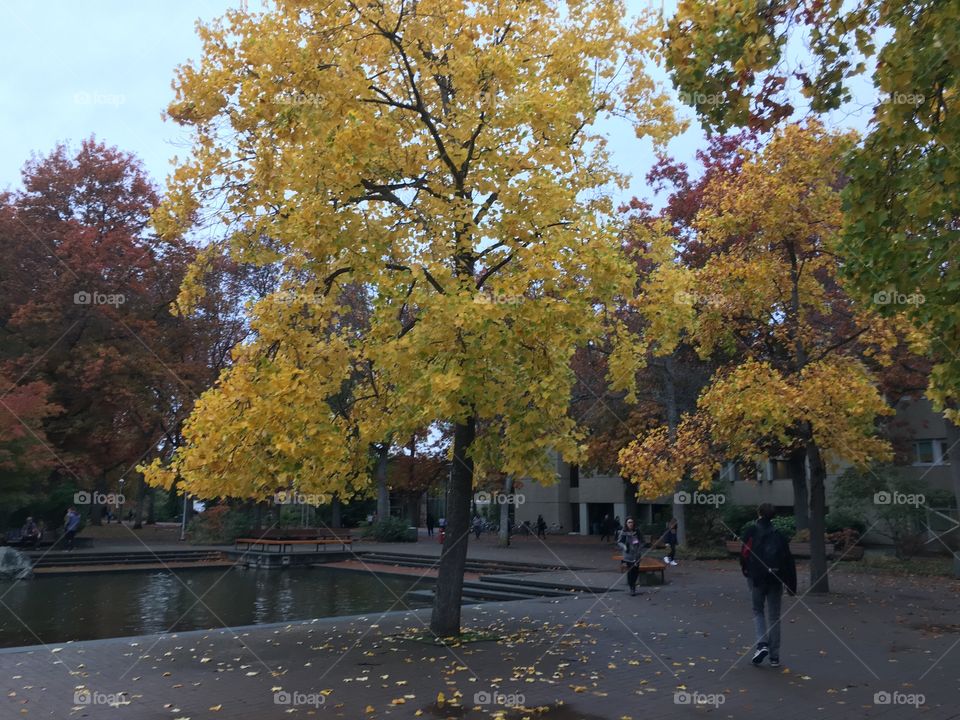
{"points": [[75, 68]]}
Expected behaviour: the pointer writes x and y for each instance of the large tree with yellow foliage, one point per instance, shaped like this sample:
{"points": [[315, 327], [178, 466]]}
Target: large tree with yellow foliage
{"points": [[801, 356], [443, 156]]}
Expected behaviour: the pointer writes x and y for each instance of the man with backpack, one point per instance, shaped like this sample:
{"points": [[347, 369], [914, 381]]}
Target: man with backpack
{"points": [[767, 564]]}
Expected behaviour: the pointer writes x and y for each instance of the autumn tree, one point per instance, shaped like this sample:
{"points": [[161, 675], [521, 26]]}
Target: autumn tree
{"points": [[731, 62], [443, 155], [797, 374], [85, 315]]}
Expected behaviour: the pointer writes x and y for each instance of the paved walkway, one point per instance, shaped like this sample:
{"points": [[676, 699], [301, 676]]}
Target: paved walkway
{"points": [[573, 658]]}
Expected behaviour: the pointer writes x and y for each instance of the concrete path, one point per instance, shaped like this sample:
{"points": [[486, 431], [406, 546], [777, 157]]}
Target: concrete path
{"points": [[878, 647]]}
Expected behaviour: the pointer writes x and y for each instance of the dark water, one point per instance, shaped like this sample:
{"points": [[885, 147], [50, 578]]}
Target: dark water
{"points": [[103, 605]]}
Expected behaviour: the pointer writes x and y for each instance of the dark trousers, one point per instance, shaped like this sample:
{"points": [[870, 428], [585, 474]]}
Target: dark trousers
{"points": [[68, 536], [632, 575], [542, 532]]}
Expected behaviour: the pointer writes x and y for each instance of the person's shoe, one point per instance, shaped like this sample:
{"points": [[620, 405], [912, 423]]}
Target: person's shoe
{"points": [[774, 662], [760, 655], [666, 559], [633, 591], [673, 562]]}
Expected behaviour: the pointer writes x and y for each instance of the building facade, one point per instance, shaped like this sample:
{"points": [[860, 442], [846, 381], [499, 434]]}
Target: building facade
{"points": [[578, 503]]}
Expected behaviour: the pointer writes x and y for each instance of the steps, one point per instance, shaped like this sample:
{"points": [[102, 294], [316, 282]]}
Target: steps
{"points": [[81, 559], [474, 566]]}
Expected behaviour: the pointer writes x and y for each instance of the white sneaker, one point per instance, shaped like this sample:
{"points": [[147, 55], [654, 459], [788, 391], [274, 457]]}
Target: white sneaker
{"points": [[673, 562], [666, 559]]}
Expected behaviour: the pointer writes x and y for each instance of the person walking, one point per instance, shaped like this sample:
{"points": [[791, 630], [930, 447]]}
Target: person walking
{"points": [[768, 565], [670, 542], [541, 527], [71, 523], [629, 542], [477, 526], [605, 528], [430, 525]]}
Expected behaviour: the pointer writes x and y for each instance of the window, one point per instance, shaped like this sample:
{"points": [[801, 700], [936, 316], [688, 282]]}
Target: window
{"points": [[574, 476], [729, 472], [930, 452], [779, 469]]}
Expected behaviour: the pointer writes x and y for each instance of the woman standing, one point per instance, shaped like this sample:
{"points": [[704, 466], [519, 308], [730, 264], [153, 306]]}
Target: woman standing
{"points": [[630, 543]]}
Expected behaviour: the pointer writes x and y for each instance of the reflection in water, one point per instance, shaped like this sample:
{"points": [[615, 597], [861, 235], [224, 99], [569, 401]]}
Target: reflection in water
{"points": [[90, 606]]}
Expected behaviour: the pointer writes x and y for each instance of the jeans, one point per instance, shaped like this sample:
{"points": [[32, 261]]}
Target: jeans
{"points": [[769, 595]]}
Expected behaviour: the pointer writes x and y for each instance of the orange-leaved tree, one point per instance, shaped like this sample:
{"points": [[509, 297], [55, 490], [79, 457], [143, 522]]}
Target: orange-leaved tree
{"points": [[800, 356]]}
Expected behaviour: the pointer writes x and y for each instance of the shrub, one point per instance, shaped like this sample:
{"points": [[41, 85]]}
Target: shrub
{"points": [[738, 518], [218, 525], [786, 524], [838, 520], [389, 530]]}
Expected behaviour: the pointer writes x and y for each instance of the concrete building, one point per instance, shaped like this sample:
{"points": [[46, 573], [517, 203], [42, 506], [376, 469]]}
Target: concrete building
{"points": [[577, 503]]}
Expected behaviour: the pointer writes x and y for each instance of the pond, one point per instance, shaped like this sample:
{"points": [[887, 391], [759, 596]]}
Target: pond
{"points": [[56, 609]]}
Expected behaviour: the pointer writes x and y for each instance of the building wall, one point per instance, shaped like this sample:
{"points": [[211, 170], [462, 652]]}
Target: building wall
{"points": [[915, 420]]}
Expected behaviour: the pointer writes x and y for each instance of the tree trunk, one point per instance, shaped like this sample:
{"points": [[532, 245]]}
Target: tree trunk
{"points": [[335, 512], [141, 498], [953, 447], [383, 492], [819, 582], [151, 519], [798, 475], [673, 419], [445, 620], [503, 536]]}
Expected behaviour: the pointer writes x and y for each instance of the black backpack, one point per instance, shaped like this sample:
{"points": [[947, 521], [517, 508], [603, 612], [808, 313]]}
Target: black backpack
{"points": [[767, 555]]}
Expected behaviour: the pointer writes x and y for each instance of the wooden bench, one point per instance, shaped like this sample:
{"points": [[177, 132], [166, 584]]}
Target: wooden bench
{"points": [[648, 565], [285, 540]]}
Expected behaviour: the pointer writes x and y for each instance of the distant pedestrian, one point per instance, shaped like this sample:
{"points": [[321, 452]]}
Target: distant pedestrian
{"points": [[477, 526], [670, 542], [605, 528], [617, 526], [30, 533], [768, 565], [430, 525], [541, 527], [629, 543], [71, 523]]}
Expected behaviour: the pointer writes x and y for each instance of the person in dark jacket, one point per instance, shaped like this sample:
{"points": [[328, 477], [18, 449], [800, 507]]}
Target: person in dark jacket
{"points": [[629, 542], [766, 562], [670, 542]]}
